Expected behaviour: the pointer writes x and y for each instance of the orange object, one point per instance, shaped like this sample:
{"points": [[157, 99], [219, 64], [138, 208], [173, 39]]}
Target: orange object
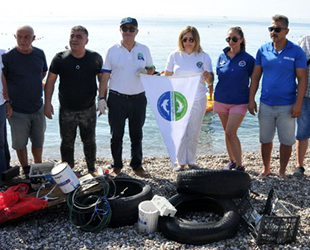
{"points": [[210, 103]]}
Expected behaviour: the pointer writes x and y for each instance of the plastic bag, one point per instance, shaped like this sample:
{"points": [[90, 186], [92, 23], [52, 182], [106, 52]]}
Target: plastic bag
{"points": [[22, 207], [14, 205], [12, 195]]}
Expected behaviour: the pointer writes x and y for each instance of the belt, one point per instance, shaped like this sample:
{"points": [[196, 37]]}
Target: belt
{"points": [[127, 96]]}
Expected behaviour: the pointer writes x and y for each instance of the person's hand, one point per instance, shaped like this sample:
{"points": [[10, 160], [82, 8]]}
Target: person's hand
{"points": [[102, 106], [48, 111], [9, 110], [296, 110], [141, 71], [252, 107], [208, 76]]}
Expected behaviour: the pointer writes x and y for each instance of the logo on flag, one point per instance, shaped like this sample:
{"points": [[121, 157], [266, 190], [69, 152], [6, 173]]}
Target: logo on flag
{"points": [[172, 105]]}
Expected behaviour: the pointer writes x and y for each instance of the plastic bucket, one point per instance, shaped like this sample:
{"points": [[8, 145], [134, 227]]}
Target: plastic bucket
{"points": [[148, 217], [65, 177]]}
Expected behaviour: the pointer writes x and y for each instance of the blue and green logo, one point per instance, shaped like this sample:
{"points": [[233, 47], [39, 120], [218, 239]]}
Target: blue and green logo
{"points": [[199, 64], [172, 106], [140, 56]]}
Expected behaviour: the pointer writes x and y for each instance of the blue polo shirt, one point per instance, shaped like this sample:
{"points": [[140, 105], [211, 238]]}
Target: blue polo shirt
{"points": [[233, 77], [279, 75]]}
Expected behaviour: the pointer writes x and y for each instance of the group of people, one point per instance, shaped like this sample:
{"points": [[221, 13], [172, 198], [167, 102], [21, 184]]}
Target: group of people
{"points": [[121, 93], [279, 63]]}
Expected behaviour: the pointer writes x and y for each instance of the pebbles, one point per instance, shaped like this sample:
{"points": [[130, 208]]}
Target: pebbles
{"points": [[51, 229]]}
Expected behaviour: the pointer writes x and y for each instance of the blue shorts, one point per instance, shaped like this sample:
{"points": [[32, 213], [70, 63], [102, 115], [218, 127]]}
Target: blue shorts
{"points": [[303, 121], [272, 118], [24, 126]]}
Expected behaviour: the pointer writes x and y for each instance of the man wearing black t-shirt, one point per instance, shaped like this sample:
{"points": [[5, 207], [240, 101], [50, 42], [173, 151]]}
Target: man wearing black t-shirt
{"points": [[24, 69], [78, 69]]}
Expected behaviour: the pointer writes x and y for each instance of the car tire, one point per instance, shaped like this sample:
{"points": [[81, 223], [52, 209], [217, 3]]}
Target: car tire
{"points": [[199, 233], [125, 207], [214, 183]]}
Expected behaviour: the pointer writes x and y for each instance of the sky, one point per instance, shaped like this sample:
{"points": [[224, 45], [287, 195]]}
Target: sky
{"points": [[18, 9]]}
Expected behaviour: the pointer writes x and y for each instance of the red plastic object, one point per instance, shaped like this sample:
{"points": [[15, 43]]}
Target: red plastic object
{"points": [[14, 205]]}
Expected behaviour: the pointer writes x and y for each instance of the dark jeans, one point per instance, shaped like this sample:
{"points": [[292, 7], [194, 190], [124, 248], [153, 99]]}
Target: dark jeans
{"points": [[120, 109], [68, 123], [3, 164]]}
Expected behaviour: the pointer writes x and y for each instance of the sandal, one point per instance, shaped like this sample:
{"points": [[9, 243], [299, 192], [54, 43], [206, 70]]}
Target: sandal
{"points": [[195, 167], [230, 166], [299, 171], [240, 168], [178, 169]]}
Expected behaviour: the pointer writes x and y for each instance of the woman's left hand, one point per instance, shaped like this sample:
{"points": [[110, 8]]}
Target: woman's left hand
{"points": [[208, 76]]}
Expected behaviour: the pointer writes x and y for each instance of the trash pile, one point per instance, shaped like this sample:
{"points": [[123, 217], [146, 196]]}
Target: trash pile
{"points": [[98, 202]]}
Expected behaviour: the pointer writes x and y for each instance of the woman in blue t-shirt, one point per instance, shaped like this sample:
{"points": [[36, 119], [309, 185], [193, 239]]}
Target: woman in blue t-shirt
{"points": [[234, 69]]}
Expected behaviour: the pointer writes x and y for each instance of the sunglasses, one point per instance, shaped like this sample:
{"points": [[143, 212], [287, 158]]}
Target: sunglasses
{"points": [[234, 39], [191, 40], [131, 29], [276, 29]]}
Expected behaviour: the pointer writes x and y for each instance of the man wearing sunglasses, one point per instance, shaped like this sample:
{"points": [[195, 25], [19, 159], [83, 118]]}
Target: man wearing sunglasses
{"points": [[280, 62], [122, 64]]}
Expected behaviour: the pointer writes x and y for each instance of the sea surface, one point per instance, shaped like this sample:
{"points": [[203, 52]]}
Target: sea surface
{"points": [[160, 34]]}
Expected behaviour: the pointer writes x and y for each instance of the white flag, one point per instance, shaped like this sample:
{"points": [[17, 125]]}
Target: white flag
{"points": [[171, 99]]}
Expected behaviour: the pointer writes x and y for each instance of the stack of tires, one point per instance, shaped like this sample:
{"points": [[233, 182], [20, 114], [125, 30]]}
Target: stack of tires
{"points": [[205, 191]]}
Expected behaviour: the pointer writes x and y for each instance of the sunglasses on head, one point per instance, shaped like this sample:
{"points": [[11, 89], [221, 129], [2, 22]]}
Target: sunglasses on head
{"points": [[191, 40], [276, 29], [234, 39], [131, 29]]}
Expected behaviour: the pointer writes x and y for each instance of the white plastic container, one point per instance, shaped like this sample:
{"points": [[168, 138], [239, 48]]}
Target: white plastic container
{"points": [[65, 177], [148, 217], [164, 207]]}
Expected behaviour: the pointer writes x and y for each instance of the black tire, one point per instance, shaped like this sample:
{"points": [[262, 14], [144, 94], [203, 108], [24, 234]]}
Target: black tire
{"points": [[125, 208], [214, 183], [199, 233]]}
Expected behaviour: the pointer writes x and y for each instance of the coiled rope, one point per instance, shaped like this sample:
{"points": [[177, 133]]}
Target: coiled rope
{"points": [[92, 212]]}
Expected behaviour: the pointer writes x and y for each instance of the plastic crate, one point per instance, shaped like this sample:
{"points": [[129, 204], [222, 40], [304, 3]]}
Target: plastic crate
{"points": [[275, 225], [41, 169], [41, 172]]}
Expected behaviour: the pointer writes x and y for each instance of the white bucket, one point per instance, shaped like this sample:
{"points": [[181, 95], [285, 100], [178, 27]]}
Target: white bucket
{"points": [[148, 217], [65, 177]]}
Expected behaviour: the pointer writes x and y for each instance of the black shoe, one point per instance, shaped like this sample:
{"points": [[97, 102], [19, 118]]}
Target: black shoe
{"points": [[26, 171], [299, 172]]}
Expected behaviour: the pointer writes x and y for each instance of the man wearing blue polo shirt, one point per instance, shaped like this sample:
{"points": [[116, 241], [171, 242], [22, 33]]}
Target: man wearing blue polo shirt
{"points": [[122, 64], [280, 62]]}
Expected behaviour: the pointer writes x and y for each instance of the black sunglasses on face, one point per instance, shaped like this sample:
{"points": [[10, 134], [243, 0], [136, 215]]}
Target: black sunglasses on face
{"points": [[276, 29], [131, 29], [191, 40], [234, 39]]}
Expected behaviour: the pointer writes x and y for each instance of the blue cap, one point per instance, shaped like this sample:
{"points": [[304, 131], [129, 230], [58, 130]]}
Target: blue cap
{"points": [[129, 20]]}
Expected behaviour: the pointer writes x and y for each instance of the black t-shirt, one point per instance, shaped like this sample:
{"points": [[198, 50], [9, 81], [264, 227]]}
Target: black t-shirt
{"points": [[77, 84]]}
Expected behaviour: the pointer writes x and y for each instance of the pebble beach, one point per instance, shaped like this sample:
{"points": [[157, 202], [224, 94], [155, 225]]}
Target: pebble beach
{"points": [[51, 228]]}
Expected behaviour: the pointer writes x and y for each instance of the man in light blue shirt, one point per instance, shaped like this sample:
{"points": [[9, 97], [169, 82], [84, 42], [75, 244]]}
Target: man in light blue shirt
{"points": [[280, 62]]}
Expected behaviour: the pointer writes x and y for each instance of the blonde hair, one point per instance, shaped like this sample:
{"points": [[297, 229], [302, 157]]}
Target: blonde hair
{"points": [[196, 37]]}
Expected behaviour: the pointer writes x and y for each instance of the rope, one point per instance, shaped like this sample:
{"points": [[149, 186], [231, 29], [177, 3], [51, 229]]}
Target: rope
{"points": [[91, 213]]}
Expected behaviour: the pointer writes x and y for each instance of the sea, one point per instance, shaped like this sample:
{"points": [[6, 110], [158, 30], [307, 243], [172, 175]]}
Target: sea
{"points": [[160, 34]]}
